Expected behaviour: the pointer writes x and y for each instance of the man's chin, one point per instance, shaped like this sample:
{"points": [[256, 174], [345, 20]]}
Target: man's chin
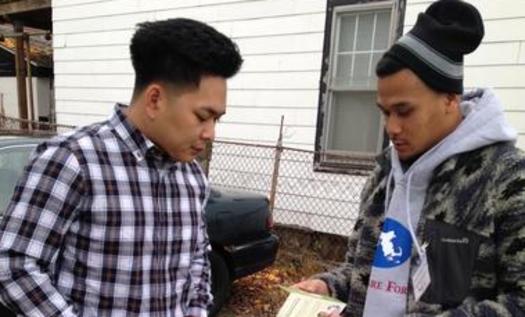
{"points": [[184, 158]]}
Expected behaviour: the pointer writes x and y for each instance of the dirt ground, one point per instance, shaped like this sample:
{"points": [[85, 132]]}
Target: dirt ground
{"points": [[259, 295]]}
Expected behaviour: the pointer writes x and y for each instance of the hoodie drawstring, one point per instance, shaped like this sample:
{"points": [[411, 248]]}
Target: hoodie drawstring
{"points": [[420, 249]]}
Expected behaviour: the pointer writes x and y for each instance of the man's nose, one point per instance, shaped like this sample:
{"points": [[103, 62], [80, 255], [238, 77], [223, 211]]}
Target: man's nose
{"points": [[208, 133], [393, 125]]}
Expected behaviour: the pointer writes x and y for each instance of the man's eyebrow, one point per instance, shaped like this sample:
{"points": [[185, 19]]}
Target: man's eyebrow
{"points": [[398, 105], [213, 112]]}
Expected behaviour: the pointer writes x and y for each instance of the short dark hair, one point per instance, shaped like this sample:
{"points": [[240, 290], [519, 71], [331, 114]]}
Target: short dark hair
{"points": [[180, 51]]}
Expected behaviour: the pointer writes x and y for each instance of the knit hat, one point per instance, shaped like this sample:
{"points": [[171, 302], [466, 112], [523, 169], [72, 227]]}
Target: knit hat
{"points": [[433, 49]]}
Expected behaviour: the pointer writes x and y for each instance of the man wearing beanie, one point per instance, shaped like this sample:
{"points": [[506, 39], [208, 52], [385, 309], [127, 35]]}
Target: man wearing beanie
{"points": [[441, 229]]}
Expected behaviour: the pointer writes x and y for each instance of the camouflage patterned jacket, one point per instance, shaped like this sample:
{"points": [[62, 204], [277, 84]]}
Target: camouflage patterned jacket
{"points": [[476, 199]]}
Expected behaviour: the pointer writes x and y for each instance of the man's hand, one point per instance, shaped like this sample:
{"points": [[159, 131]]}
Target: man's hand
{"points": [[313, 286], [331, 314]]}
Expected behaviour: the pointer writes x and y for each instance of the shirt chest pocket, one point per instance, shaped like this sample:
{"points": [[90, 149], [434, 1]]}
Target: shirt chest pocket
{"points": [[452, 252]]}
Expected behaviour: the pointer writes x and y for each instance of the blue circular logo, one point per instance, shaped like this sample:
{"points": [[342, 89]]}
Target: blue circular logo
{"points": [[394, 246]]}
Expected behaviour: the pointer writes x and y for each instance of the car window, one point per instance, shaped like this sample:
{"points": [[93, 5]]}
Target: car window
{"points": [[12, 162]]}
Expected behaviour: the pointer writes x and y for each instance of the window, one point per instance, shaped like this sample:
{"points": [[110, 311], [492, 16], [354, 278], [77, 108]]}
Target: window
{"points": [[350, 127]]}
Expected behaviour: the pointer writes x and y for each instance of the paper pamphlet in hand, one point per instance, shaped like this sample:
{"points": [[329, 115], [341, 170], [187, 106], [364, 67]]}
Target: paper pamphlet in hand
{"points": [[303, 304]]}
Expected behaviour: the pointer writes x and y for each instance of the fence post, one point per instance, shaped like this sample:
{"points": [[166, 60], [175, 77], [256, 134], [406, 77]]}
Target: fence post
{"points": [[276, 164], [2, 111]]}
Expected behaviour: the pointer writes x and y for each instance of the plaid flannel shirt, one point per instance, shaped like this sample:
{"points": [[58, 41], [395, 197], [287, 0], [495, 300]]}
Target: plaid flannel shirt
{"points": [[104, 224]]}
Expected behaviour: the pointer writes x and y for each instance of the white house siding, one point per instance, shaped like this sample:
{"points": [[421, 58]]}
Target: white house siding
{"points": [[499, 62]]}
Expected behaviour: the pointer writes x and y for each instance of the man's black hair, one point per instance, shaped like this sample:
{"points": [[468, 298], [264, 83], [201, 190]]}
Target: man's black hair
{"points": [[179, 52], [388, 66]]}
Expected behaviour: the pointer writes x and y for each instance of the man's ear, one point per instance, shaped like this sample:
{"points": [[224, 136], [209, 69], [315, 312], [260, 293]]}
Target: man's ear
{"points": [[153, 95], [452, 101]]}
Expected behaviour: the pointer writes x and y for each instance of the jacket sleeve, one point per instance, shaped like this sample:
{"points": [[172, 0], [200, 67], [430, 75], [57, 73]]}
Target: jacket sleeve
{"points": [[32, 230], [509, 207]]}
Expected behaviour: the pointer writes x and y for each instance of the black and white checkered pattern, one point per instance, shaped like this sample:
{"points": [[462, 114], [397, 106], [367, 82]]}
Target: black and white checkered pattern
{"points": [[104, 224]]}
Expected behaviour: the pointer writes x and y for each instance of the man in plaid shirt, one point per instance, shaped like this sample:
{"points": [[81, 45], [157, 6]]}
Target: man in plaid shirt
{"points": [[107, 220]]}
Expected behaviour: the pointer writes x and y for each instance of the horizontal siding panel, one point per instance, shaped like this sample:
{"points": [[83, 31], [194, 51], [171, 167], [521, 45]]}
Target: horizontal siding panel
{"points": [[281, 25], [108, 95], [90, 108], [118, 52], [292, 116], [283, 62], [495, 76], [517, 120], [505, 30], [93, 67], [512, 99], [109, 23], [94, 81], [290, 43], [267, 134], [274, 98], [494, 54], [285, 80], [93, 39], [77, 120], [215, 11], [489, 9]]}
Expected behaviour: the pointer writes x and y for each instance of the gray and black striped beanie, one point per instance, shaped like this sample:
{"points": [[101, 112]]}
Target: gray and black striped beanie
{"points": [[433, 49]]}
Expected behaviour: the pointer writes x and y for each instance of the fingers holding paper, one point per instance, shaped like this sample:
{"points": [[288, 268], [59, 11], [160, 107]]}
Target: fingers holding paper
{"points": [[315, 286]]}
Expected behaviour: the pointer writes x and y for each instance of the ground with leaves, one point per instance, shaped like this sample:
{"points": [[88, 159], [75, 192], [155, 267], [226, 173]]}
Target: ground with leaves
{"points": [[259, 295]]}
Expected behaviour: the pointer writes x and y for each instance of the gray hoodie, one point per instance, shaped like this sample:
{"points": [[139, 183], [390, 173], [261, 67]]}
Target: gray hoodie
{"points": [[483, 124]]}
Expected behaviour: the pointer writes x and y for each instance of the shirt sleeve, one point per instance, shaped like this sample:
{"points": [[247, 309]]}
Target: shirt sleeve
{"points": [[200, 297], [33, 229]]}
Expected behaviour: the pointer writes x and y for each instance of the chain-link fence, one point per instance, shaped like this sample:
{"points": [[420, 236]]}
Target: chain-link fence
{"points": [[14, 126], [323, 202]]}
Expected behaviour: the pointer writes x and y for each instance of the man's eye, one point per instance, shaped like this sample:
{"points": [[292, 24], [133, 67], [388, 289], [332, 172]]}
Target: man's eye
{"points": [[201, 117], [404, 112]]}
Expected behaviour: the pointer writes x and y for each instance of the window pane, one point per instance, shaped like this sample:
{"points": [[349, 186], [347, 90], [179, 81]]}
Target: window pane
{"points": [[364, 31], [355, 122], [375, 59], [382, 31], [12, 162], [343, 71], [360, 73], [347, 33]]}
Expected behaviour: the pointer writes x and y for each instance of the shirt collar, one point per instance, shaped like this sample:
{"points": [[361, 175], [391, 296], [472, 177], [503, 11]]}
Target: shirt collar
{"points": [[137, 142]]}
